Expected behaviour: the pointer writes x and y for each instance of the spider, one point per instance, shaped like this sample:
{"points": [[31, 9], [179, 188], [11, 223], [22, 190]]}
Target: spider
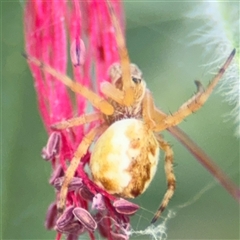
{"points": [[125, 156]]}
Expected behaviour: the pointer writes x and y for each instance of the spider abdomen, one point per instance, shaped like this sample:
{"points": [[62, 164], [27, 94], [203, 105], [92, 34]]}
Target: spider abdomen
{"points": [[124, 159]]}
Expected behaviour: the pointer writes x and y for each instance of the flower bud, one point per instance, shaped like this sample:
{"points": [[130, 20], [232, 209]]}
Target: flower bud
{"points": [[85, 218]]}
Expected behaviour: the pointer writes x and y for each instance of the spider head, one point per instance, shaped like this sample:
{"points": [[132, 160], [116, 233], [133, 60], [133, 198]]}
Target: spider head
{"points": [[137, 82]]}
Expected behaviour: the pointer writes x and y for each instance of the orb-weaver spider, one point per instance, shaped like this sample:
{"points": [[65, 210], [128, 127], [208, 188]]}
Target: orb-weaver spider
{"points": [[130, 123]]}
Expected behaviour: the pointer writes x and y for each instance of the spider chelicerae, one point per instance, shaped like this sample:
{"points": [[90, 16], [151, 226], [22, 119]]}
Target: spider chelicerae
{"points": [[125, 156]]}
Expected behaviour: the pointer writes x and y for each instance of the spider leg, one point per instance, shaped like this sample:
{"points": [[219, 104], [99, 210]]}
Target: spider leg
{"points": [[77, 121], [110, 91], [95, 100], [156, 114], [80, 152], [206, 161], [171, 180], [200, 155], [196, 102], [124, 58], [147, 110], [148, 114]]}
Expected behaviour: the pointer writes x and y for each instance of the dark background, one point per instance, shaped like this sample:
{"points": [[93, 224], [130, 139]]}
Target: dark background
{"points": [[158, 42]]}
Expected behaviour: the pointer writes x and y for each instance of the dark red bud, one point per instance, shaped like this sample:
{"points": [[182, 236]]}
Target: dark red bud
{"points": [[51, 216]]}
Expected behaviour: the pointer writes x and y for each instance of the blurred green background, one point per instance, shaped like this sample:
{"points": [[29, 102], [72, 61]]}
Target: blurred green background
{"points": [[158, 42]]}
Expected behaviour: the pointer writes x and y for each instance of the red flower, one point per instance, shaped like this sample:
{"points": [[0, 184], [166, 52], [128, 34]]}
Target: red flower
{"points": [[83, 30]]}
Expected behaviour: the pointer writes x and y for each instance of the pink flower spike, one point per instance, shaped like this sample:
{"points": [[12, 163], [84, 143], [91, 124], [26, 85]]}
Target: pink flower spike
{"points": [[84, 31]]}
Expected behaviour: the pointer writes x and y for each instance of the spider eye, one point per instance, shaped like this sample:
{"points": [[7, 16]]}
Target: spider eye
{"points": [[136, 80]]}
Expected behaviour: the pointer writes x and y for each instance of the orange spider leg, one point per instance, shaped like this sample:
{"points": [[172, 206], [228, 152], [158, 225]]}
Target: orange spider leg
{"points": [[80, 152], [196, 102], [206, 161], [147, 107], [148, 114], [124, 58], [171, 180], [159, 116], [156, 114], [77, 121], [95, 100], [112, 92]]}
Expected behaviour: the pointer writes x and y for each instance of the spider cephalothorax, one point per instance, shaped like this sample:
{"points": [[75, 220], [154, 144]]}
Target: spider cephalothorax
{"points": [[138, 84]]}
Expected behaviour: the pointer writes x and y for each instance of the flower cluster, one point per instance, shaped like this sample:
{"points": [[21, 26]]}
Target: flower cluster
{"points": [[85, 28]]}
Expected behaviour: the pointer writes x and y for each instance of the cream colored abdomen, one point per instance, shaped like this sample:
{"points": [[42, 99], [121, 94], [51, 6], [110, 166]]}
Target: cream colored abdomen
{"points": [[124, 159]]}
